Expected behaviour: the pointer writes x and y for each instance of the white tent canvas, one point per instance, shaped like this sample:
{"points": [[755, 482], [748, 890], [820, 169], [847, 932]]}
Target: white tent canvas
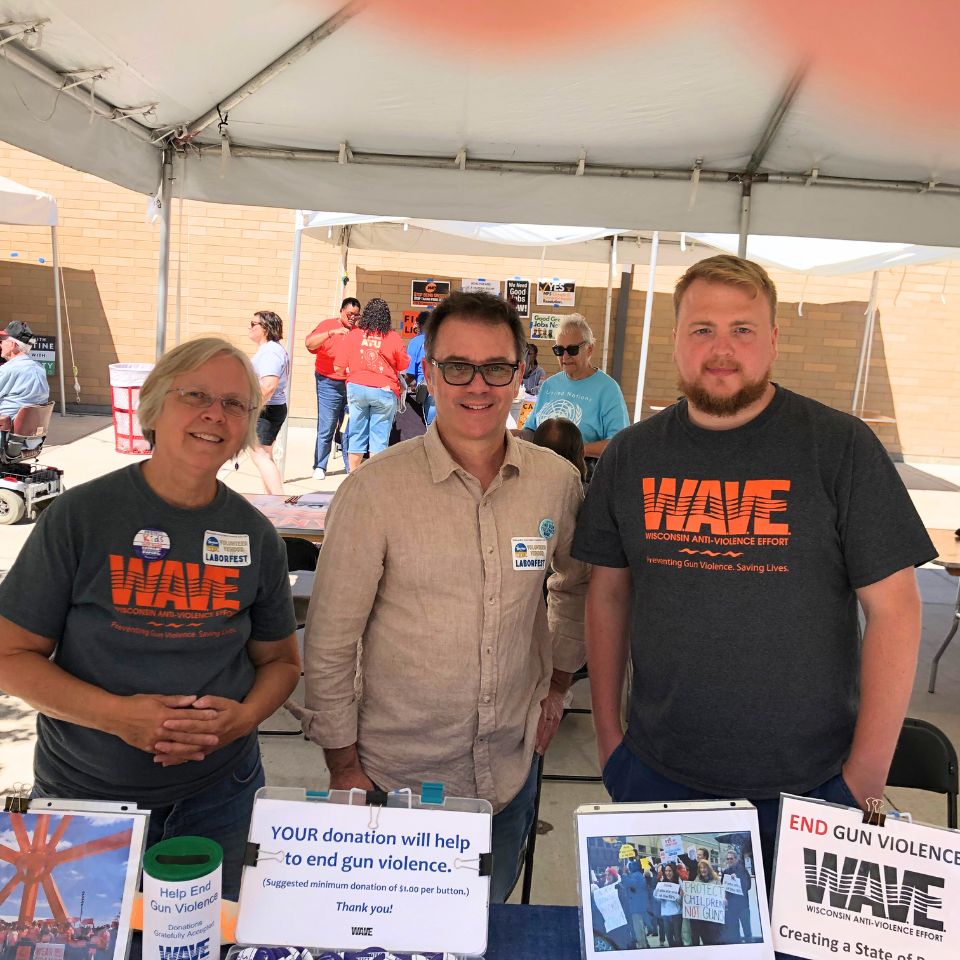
{"points": [[25, 207], [682, 116], [22, 206]]}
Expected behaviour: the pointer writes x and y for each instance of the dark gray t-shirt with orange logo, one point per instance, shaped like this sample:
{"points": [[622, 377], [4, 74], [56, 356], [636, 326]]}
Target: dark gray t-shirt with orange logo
{"points": [[144, 597], [745, 548]]}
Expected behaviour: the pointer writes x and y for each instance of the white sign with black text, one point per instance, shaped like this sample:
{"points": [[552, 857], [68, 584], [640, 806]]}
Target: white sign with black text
{"points": [[344, 876], [846, 888]]}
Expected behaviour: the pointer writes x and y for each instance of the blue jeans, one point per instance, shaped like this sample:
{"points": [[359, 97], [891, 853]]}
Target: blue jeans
{"points": [[331, 404], [628, 779], [372, 410], [221, 812], [511, 827]]}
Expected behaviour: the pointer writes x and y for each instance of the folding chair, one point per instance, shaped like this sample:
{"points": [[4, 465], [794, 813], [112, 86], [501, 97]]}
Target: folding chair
{"points": [[925, 759], [532, 839], [301, 555], [581, 674]]}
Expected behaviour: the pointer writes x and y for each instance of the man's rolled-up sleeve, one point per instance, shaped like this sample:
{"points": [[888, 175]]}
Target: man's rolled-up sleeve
{"points": [[347, 577], [567, 588]]}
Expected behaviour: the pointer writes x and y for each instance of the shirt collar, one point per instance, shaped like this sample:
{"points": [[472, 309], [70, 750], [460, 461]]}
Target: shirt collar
{"points": [[442, 464]]}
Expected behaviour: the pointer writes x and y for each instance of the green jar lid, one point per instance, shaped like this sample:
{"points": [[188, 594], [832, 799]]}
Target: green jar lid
{"points": [[182, 858]]}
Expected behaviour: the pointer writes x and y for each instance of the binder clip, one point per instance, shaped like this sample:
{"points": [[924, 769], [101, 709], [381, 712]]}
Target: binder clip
{"points": [[873, 816], [19, 801]]}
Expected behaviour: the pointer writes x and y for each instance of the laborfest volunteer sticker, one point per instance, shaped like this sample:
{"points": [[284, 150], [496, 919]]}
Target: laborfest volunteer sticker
{"points": [[150, 544], [226, 549], [529, 553]]}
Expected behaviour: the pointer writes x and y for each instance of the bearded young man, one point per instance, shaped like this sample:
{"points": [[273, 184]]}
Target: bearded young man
{"points": [[741, 526]]}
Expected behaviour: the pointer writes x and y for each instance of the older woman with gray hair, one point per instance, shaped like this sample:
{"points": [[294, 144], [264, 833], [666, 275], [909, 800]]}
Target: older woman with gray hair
{"points": [[580, 392], [148, 618]]}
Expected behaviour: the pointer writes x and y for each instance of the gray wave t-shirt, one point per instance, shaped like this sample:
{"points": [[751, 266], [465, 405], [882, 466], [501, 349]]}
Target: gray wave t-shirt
{"points": [[144, 597], [745, 549]]}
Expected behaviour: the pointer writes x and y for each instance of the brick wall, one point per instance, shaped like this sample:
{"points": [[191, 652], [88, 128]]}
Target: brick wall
{"points": [[236, 260]]}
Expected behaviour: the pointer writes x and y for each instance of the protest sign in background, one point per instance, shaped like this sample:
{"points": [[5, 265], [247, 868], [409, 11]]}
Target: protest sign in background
{"points": [[703, 901], [518, 290], [555, 292], [481, 285], [543, 326], [428, 293]]}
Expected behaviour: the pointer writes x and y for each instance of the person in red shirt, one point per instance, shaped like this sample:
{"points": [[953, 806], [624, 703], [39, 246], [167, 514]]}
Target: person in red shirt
{"points": [[373, 357], [322, 342]]}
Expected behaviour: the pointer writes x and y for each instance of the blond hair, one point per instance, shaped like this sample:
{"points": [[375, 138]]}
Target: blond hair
{"points": [[185, 359], [731, 271], [578, 322]]}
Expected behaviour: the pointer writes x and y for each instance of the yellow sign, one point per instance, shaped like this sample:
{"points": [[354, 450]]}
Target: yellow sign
{"points": [[627, 852]]}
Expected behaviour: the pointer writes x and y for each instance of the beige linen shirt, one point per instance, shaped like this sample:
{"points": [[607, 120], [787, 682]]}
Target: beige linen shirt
{"points": [[458, 647]]}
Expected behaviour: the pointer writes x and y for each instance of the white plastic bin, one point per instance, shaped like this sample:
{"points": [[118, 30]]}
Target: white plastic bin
{"points": [[126, 379]]}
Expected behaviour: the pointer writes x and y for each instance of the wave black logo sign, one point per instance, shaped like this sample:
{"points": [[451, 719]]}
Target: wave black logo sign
{"points": [[361, 931], [861, 883]]}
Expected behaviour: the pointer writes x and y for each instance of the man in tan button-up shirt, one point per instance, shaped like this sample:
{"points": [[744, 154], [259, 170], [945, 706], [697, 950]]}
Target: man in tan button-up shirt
{"points": [[435, 555]]}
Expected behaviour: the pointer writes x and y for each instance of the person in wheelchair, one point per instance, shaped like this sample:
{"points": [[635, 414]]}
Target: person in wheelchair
{"points": [[23, 381]]}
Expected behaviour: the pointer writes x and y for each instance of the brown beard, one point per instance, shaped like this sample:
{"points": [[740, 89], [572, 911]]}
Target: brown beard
{"points": [[713, 406]]}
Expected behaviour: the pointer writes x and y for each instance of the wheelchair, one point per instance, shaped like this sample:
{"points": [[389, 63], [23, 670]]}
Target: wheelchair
{"points": [[26, 487]]}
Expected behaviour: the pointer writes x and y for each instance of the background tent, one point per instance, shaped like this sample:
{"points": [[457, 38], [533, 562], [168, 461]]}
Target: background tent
{"points": [[22, 206], [810, 256]]}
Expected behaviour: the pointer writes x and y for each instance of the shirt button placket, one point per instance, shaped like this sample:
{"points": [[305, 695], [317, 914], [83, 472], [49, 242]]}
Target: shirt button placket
{"points": [[486, 708]]}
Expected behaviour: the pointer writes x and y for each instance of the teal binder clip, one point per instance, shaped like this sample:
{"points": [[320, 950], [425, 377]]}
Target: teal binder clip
{"points": [[431, 793]]}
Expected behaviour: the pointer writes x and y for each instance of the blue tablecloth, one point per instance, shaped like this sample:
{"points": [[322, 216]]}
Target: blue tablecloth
{"points": [[533, 933]]}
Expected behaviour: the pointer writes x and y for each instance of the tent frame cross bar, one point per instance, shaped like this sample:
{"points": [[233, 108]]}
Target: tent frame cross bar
{"points": [[590, 170], [79, 92], [330, 26], [776, 120]]}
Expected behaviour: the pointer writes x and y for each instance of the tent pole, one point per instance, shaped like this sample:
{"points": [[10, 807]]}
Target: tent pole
{"points": [[163, 272], [867, 339], [609, 303], [56, 307], [293, 288], [647, 317], [745, 192]]}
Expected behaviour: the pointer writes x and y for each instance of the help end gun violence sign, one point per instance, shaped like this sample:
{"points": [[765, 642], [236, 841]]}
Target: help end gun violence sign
{"points": [[846, 888]]}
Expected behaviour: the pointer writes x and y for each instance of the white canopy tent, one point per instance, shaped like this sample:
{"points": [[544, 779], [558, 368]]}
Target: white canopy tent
{"points": [[648, 115], [22, 206]]}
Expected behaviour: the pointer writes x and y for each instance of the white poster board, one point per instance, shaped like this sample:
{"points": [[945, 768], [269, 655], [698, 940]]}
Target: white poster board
{"points": [[603, 830], [480, 285], [846, 888], [351, 876], [555, 292]]}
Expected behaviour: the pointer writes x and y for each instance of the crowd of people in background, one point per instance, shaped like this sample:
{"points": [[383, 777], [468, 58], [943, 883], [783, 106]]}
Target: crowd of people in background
{"points": [[80, 941], [371, 390], [637, 918]]}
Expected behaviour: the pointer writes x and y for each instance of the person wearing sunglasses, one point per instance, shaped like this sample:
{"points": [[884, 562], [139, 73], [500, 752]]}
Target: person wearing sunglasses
{"points": [[580, 392], [463, 670], [272, 366], [149, 621]]}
